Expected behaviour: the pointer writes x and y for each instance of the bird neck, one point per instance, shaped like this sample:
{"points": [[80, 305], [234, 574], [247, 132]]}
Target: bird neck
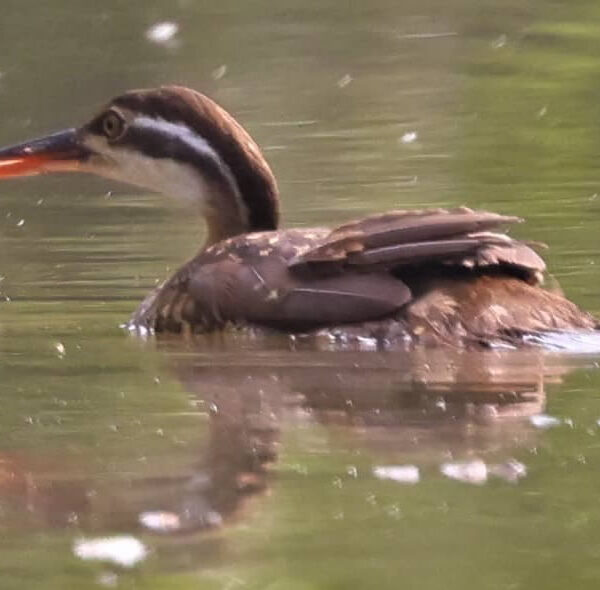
{"points": [[225, 217], [242, 197]]}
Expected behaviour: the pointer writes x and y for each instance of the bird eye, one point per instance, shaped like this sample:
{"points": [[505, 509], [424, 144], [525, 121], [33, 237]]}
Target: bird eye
{"points": [[113, 125]]}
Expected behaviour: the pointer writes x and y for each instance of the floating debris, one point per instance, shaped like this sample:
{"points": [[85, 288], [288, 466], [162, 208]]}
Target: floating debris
{"points": [[500, 42], [439, 35], [475, 472], [60, 348], [399, 473], [344, 81], [159, 521], [123, 550], [409, 137], [21, 223], [162, 32], [219, 72], [545, 421]]}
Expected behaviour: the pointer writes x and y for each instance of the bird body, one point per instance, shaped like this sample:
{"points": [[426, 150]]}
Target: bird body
{"points": [[440, 290], [436, 276]]}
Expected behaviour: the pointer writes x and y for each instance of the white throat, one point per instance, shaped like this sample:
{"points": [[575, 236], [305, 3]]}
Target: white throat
{"points": [[176, 178]]}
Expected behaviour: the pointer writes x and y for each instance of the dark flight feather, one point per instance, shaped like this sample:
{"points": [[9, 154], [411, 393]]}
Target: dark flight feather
{"points": [[401, 227]]}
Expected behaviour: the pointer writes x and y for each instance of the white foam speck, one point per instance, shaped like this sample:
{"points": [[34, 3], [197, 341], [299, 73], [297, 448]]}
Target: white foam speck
{"points": [[162, 522], [409, 137], [399, 473], [219, 72], [60, 349], [475, 472], [123, 550], [344, 81], [500, 42], [366, 343], [544, 421], [162, 32]]}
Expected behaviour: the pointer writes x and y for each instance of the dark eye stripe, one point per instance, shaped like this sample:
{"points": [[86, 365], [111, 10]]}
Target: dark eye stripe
{"points": [[158, 144]]}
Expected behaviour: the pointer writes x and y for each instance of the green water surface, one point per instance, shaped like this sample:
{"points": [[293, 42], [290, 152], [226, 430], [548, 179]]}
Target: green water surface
{"points": [[266, 452]]}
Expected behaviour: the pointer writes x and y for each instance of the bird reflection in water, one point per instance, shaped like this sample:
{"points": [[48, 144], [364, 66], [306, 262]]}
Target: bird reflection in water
{"points": [[415, 408]]}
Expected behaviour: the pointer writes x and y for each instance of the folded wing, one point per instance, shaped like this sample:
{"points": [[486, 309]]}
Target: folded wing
{"points": [[459, 237]]}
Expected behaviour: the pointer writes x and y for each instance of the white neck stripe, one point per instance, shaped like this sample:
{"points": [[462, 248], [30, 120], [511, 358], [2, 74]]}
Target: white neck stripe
{"points": [[199, 144]]}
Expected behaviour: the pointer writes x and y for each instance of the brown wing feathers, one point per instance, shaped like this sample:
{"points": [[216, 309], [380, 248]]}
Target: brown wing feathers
{"points": [[461, 237], [401, 227], [411, 253]]}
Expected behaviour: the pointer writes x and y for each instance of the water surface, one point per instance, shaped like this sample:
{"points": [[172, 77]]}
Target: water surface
{"points": [[271, 464]]}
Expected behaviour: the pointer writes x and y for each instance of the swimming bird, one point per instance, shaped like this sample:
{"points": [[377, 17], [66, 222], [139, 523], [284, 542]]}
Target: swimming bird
{"points": [[433, 275]]}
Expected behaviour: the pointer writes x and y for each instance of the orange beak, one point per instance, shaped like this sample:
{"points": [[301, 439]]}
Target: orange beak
{"points": [[59, 152]]}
